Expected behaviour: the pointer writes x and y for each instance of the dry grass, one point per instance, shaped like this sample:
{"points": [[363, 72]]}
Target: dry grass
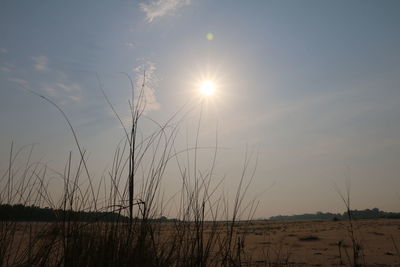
{"points": [[207, 232], [132, 188]]}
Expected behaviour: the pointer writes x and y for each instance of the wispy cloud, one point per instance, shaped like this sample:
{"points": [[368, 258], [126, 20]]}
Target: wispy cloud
{"points": [[4, 69], [130, 44], [159, 8], [22, 83], [40, 63], [56, 84], [63, 91], [3, 50], [150, 83]]}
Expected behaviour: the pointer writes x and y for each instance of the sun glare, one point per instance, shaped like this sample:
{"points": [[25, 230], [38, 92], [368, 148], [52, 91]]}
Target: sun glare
{"points": [[207, 88]]}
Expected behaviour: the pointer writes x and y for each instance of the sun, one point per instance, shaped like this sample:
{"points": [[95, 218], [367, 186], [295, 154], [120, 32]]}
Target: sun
{"points": [[207, 87]]}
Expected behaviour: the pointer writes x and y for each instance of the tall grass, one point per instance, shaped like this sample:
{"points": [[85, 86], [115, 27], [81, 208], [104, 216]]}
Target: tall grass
{"points": [[353, 259], [132, 188]]}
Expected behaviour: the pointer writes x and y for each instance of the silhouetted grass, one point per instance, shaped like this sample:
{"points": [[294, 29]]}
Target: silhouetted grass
{"points": [[124, 224], [131, 188]]}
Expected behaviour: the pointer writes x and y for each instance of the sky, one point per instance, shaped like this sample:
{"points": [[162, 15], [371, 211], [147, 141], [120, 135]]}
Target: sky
{"points": [[310, 88]]}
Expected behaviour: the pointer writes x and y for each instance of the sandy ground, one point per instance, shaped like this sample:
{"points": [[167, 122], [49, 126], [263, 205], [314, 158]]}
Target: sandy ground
{"points": [[317, 242], [301, 243]]}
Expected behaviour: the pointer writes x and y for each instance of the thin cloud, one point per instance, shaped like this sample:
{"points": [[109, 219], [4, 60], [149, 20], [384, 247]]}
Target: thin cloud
{"points": [[3, 50], [70, 88], [63, 91], [151, 82], [59, 88], [4, 69], [159, 8], [20, 82], [40, 63], [130, 44]]}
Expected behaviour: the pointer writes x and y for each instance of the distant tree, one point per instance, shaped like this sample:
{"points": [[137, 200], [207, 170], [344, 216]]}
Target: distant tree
{"points": [[20, 212]]}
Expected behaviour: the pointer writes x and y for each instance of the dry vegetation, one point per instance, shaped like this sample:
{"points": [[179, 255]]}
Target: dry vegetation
{"points": [[256, 243], [198, 238]]}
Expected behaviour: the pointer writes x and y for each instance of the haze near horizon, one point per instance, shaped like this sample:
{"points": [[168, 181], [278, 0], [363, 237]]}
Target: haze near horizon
{"points": [[310, 90]]}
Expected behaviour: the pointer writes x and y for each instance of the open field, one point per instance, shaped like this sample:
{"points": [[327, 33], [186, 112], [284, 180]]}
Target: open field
{"points": [[258, 243], [316, 242]]}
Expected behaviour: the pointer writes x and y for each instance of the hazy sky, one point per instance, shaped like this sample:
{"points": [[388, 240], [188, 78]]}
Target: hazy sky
{"points": [[312, 86]]}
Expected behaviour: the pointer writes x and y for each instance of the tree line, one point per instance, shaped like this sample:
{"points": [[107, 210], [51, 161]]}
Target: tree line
{"points": [[374, 213]]}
